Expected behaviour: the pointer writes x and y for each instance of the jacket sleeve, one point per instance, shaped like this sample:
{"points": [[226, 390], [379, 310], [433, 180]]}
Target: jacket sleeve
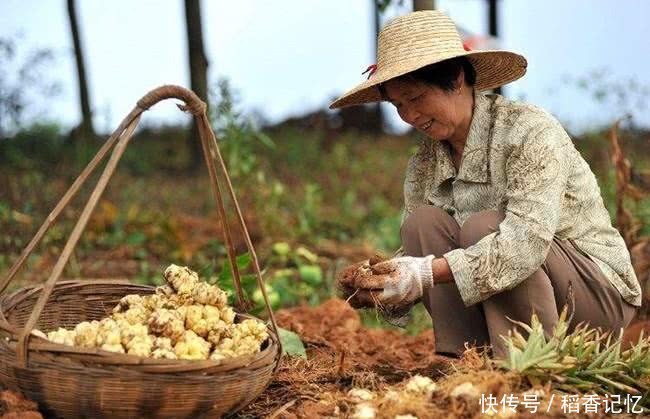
{"points": [[537, 174]]}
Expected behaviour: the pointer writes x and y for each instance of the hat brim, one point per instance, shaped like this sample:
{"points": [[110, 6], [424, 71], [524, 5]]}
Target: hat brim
{"points": [[493, 69]]}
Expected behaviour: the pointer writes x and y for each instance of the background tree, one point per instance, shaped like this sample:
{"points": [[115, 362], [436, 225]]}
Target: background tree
{"points": [[85, 129], [379, 6], [25, 81], [424, 5], [198, 70], [493, 26]]}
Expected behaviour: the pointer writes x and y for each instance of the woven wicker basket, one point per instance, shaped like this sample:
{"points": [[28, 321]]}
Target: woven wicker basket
{"points": [[74, 382]]}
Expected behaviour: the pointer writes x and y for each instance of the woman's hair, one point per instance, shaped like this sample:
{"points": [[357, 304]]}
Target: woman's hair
{"points": [[442, 74]]}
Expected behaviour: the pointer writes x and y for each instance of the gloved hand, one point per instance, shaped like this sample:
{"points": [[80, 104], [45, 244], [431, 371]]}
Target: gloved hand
{"points": [[402, 280], [397, 282]]}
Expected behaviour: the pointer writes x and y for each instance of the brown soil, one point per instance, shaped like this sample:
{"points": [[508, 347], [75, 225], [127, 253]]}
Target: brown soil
{"points": [[341, 355], [14, 406], [336, 327]]}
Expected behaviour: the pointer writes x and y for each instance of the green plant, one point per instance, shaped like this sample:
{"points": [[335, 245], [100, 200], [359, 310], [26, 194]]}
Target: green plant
{"points": [[383, 225], [581, 361], [419, 321], [292, 345], [291, 276], [225, 277], [309, 214], [294, 275], [237, 134], [144, 275]]}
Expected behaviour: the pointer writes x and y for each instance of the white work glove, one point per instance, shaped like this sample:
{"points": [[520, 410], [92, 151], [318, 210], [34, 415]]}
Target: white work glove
{"points": [[403, 279], [394, 283]]}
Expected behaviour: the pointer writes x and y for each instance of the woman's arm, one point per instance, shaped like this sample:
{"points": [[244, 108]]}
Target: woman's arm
{"points": [[441, 271]]}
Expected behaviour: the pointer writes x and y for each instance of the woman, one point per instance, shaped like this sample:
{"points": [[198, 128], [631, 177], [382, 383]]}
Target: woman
{"points": [[503, 217]]}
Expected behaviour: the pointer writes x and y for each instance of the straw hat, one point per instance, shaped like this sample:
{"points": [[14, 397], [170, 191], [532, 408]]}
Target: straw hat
{"points": [[422, 38]]}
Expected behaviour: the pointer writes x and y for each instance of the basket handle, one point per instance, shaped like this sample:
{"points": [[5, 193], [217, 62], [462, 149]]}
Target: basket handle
{"points": [[118, 142], [198, 108], [193, 104]]}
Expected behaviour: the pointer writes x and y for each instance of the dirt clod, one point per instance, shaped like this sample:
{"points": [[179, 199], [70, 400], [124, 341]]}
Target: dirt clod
{"points": [[14, 405]]}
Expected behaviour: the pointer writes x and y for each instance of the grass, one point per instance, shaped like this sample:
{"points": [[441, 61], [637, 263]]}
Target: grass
{"points": [[154, 213], [310, 188]]}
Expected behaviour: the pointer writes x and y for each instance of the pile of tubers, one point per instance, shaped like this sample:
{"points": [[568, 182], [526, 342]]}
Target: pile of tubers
{"points": [[184, 319]]}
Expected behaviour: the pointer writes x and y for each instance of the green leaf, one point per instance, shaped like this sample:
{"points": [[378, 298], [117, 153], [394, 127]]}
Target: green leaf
{"points": [[311, 274], [158, 280], [265, 139], [136, 239], [307, 254], [273, 296], [141, 253], [291, 343], [243, 261], [281, 248], [225, 276]]}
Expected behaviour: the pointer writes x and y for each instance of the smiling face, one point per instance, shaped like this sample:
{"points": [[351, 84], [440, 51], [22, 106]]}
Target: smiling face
{"points": [[438, 114]]}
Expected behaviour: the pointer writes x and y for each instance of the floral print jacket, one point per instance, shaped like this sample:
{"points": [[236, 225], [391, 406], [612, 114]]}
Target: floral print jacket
{"points": [[518, 159]]}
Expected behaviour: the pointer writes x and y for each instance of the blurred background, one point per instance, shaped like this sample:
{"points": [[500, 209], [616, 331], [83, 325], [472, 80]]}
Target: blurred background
{"points": [[319, 189], [587, 58]]}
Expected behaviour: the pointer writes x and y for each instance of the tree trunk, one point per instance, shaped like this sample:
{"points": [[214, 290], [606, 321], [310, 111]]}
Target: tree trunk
{"points": [[493, 27], [378, 116], [424, 5], [87, 130], [198, 71]]}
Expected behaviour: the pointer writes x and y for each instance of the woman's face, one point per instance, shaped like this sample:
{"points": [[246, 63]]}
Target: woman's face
{"points": [[429, 109]]}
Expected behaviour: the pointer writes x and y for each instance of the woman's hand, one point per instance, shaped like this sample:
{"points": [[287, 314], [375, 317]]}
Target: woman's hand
{"points": [[395, 282], [402, 280]]}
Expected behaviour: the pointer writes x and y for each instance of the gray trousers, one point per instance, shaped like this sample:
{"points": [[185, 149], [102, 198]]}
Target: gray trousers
{"points": [[430, 230]]}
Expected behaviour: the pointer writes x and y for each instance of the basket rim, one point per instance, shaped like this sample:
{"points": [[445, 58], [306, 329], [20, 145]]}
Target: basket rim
{"points": [[84, 356]]}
